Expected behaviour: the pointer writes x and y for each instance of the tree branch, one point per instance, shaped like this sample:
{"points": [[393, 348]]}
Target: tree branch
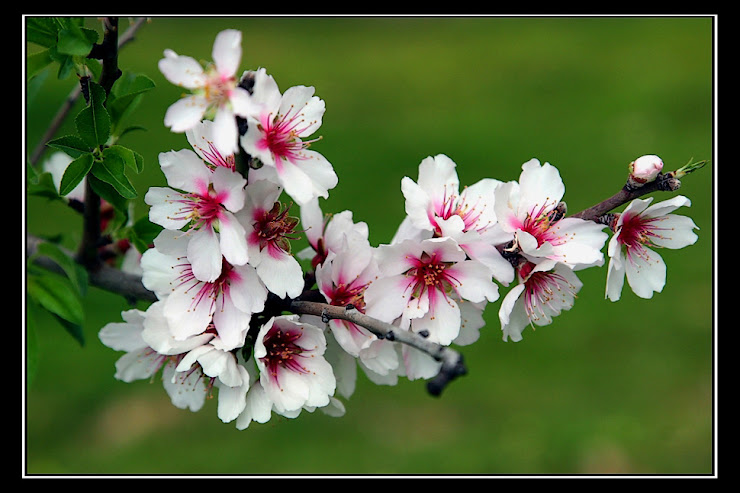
{"points": [[130, 287], [452, 363], [664, 182]]}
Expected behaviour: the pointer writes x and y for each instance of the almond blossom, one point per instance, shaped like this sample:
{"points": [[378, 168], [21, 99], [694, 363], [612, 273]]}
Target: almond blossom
{"points": [[638, 229], [276, 135], [214, 91], [329, 233], [191, 306], [204, 210], [292, 368], [269, 230], [436, 204], [544, 291], [422, 284], [531, 211], [142, 361]]}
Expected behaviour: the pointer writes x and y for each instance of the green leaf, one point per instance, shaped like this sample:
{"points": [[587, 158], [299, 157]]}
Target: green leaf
{"points": [[124, 154], [93, 122], [75, 330], [42, 185], [57, 295], [32, 348], [126, 95], [75, 173], [73, 39], [110, 195], [74, 271], [111, 171], [37, 62], [72, 145], [143, 232], [42, 31]]}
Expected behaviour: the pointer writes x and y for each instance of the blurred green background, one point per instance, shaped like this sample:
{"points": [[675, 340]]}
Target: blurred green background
{"points": [[608, 388]]}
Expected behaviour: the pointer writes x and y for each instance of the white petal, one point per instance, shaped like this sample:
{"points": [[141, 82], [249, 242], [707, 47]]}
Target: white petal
{"points": [[185, 113], [229, 187], [675, 232], [281, 273], [540, 186], [232, 324], [227, 51], [181, 70], [646, 274], [226, 132], [233, 240], [187, 390], [204, 254], [475, 281], [184, 170], [614, 279]]}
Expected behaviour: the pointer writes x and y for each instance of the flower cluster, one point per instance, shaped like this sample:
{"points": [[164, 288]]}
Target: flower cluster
{"points": [[223, 267]]}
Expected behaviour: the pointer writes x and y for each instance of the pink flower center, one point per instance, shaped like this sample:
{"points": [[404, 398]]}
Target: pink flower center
{"points": [[274, 229], [282, 351], [218, 88], [207, 292], [539, 223], [201, 209], [542, 289], [453, 205], [349, 294], [214, 158], [637, 233], [429, 273], [281, 135]]}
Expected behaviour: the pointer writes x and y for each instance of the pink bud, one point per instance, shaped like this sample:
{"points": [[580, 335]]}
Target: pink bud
{"points": [[644, 170]]}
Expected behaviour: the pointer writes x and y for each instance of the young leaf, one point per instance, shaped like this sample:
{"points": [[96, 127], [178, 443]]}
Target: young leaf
{"points": [[111, 171], [42, 31], [57, 295], [74, 271], [75, 173], [71, 145], [124, 154], [110, 195], [42, 185], [37, 62], [93, 122]]}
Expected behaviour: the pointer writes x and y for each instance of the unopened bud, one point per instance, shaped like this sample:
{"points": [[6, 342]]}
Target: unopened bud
{"points": [[643, 170]]}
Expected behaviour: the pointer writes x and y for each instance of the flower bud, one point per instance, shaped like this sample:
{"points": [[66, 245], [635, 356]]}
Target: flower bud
{"points": [[643, 170]]}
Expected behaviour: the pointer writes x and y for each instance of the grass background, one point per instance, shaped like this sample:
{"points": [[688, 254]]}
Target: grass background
{"points": [[609, 388]]}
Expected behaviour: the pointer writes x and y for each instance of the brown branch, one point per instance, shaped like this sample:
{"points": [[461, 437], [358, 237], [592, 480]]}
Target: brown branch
{"points": [[452, 362], [664, 182]]}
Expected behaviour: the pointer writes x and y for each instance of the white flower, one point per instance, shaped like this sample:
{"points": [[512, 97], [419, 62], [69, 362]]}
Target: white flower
{"points": [[269, 229], [192, 306], [275, 135], [638, 230], [328, 233], [142, 361], [201, 138], [293, 371], [529, 210], [214, 88], [423, 283], [205, 210], [436, 204], [544, 290], [343, 279]]}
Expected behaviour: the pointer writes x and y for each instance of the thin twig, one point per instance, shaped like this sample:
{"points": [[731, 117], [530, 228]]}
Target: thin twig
{"points": [[452, 363]]}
